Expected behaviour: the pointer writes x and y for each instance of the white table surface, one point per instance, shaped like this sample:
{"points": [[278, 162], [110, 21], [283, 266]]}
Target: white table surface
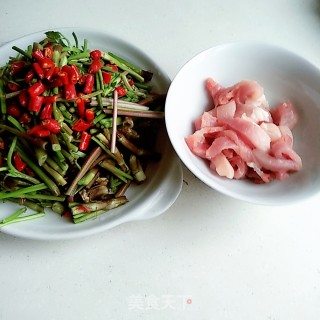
{"points": [[208, 257]]}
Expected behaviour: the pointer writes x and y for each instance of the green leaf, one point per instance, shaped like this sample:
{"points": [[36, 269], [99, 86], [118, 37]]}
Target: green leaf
{"points": [[58, 37]]}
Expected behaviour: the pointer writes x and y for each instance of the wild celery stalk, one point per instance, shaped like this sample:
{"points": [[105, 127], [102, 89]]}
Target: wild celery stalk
{"points": [[16, 217], [41, 174], [3, 105]]}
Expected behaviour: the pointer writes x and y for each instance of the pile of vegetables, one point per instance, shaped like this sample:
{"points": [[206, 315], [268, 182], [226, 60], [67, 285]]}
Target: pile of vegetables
{"points": [[77, 128]]}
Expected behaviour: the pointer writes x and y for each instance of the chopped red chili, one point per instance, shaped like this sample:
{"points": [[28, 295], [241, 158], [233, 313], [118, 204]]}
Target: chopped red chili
{"points": [[88, 87], [49, 73], [74, 74], [29, 76], [25, 118], [17, 67], [113, 67], [106, 77], [81, 125], [36, 89], [39, 71], [13, 110], [51, 99], [95, 54], [23, 98], [39, 131], [81, 107], [19, 164], [48, 51], [82, 80], [89, 115], [38, 54], [52, 125], [13, 86], [81, 96], [95, 66], [29, 172], [47, 63], [55, 82], [121, 91], [85, 140], [46, 112], [64, 77], [70, 91], [35, 103]]}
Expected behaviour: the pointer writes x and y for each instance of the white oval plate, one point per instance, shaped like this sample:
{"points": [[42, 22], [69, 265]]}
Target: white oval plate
{"points": [[145, 201], [283, 75]]}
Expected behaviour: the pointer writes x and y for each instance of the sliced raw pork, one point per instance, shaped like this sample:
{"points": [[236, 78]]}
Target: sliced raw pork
{"points": [[242, 137]]}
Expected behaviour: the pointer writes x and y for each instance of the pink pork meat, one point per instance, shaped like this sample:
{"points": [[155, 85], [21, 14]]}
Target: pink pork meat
{"points": [[242, 137]]}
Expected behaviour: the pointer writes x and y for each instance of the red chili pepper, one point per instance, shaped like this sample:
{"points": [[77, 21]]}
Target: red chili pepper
{"points": [[106, 77], [81, 125], [85, 139], [81, 96], [121, 91], [29, 76], [81, 107], [47, 63], [13, 86], [25, 118], [17, 67], [38, 54], [95, 54], [95, 66], [56, 71], [131, 82], [113, 67], [88, 87], [55, 82], [82, 80], [35, 103], [42, 133], [36, 89], [13, 110], [74, 74], [89, 115], [46, 112], [67, 214], [52, 125], [70, 91], [19, 164], [39, 131], [64, 77], [50, 99], [49, 73], [65, 68], [39, 71], [48, 51], [23, 98], [29, 172], [83, 209]]}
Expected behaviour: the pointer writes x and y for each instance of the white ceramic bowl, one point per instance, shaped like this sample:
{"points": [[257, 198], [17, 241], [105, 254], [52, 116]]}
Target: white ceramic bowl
{"points": [[284, 75]]}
